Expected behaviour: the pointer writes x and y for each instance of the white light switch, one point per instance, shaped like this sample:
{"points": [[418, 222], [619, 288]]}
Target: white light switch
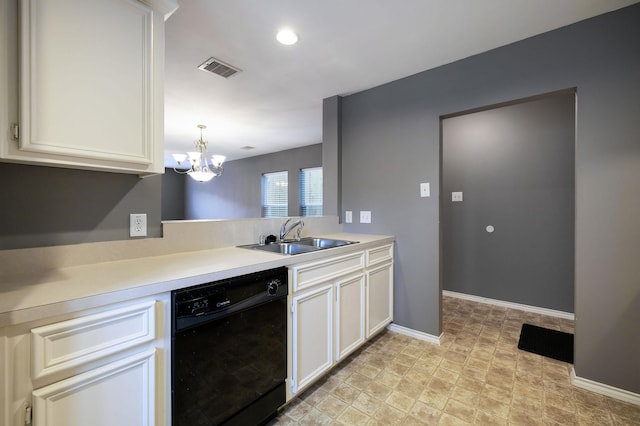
{"points": [[456, 196], [348, 216], [365, 217], [425, 191]]}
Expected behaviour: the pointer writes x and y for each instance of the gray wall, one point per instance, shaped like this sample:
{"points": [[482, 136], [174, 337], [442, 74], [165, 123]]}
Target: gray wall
{"points": [[331, 156], [390, 143], [173, 185], [49, 206], [515, 167], [237, 193]]}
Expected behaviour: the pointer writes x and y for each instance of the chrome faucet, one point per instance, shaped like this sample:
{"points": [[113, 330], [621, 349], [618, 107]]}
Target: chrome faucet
{"points": [[284, 229]]}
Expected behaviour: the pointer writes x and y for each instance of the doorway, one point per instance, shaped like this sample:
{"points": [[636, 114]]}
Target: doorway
{"points": [[507, 209]]}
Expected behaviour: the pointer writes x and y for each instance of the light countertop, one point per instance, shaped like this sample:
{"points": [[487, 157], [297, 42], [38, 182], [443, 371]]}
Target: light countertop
{"points": [[30, 296]]}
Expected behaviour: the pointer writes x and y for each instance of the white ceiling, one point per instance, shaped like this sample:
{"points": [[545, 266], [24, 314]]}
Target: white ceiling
{"points": [[345, 46]]}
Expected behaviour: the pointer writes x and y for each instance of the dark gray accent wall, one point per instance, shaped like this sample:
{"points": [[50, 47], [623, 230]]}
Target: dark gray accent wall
{"points": [[390, 143], [331, 156], [515, 167], [49, 206], [237, 193], [173, 185]]}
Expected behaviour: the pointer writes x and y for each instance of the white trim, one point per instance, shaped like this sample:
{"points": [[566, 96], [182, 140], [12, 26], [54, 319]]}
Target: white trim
{"points": [[415, 333], [511, 305], [603, 389]]}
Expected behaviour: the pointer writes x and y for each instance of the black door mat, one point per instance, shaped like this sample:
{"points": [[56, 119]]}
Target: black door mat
{"points": [[550, 343]]}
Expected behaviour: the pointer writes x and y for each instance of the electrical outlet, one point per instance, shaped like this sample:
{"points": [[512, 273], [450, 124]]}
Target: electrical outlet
{"points": [[138, 225], [456, 196], [348, 216], [365, 216]]}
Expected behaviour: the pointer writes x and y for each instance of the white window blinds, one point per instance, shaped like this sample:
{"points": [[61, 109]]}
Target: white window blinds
{"points": [[275, 197], [311, 192]]}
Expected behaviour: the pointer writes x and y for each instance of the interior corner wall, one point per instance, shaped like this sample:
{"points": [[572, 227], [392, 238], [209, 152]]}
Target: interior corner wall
{"points": [[390, 143], [50, 206], [238, 192], [173, 185], [331, 156]]}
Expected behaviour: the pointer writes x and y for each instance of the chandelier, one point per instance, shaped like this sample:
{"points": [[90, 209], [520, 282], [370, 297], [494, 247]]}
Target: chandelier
{"points": [[200, 169]]}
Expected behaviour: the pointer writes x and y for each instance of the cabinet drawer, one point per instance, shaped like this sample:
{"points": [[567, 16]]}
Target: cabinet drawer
{"points": [[380, 254], [309, 274], [76, 342], [122, 390]]}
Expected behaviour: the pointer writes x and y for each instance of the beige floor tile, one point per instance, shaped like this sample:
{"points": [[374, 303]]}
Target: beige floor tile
{"points": [[358, 381], [400, 401], [449, 420], [351, 416], [434, 398], [388, 379], [346, 393], [389, 415], [316, 417], [332, 406], [425, 413], [460, 410], [366, 403], [378, 390]]}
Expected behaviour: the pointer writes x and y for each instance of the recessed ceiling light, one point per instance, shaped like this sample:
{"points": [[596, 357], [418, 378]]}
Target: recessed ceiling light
{"points": [[287, 36]]}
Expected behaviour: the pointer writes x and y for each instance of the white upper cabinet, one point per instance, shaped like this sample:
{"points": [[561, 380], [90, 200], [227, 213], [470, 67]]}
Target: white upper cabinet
{"points": [[90, 76]]}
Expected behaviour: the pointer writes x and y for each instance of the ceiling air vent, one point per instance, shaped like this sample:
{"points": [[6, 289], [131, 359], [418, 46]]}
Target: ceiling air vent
{"points": [[218, 67]]}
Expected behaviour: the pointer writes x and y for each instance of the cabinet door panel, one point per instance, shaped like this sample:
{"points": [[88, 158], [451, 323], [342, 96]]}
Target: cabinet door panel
{"points": [[312, 339], [118, 394], [379, 298], [349, 315], [86, 89]]}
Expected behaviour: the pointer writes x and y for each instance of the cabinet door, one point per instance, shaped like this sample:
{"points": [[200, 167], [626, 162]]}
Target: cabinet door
{"points": [[312, 340], [90, 95], [350, 315], [118, 394], [379, 298]]}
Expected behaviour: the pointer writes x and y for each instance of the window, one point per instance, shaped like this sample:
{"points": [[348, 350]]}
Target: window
{"points": [[311, 192], [275, 197]]}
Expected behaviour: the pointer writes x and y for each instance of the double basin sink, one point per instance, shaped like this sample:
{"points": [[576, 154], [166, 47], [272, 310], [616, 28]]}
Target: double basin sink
{"points": [[304, 245]]}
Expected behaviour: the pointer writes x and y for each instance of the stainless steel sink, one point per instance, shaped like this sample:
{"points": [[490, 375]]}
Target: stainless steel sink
{"points": [[282, 248], [304, 245], [324, 243]]}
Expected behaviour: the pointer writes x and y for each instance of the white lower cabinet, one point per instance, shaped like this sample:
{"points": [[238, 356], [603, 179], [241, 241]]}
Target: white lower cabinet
{"points": [[350, 315], [104, 367], [312, 328], [337, 304], [379, 298]]}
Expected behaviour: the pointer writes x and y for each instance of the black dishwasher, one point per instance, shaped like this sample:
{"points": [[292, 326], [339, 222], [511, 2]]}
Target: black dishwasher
{"points": [[229, 350]]}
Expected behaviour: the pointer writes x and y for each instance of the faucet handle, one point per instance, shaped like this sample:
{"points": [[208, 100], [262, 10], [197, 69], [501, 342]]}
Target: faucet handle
{"points": [[299, 230]]}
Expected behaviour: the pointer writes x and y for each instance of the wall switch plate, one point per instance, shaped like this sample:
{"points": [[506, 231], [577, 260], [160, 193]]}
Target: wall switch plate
{"points": [[365, 216], [348, 216], [138, 225], [425, 190], [456, 196]]}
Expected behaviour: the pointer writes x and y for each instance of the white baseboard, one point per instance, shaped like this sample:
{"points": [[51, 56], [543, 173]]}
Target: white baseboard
{"points": [[511, 305], [415, 333], [606, 390]]}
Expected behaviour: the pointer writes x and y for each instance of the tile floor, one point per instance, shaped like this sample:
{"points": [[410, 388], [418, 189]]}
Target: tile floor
{"points": [[476, 376]]}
